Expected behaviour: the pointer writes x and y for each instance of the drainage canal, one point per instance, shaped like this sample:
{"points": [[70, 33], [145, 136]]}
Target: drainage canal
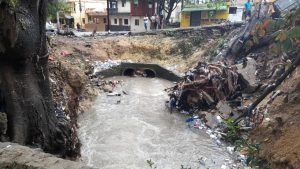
{"points": [[125, 131], [139, 72]]}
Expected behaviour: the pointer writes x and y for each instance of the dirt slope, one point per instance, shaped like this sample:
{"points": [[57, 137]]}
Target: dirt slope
{"points": [[178, 52], [280, 138]]}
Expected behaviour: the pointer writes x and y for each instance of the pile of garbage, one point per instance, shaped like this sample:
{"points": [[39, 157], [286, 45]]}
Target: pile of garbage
{"points": [[208, 86], [213, 96], [99, 65], [107, 64]]}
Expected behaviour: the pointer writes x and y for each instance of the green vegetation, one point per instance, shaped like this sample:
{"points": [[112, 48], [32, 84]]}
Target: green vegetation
{"points": [[284, 33], [197, 40], [216, 4], [251, 150], [151, 164], [185, 48], [183, 167], [10, 3], [56, 6], [233, 130], [213, 51]]}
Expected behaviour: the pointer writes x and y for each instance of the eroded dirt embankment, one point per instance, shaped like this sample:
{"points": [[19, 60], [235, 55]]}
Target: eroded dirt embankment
{"points": [[71, 60], [70, 68], [279, 136], [177, 50]]}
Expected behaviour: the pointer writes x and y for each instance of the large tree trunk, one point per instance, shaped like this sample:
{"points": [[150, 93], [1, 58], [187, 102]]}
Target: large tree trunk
{"points": [[172, 5], [24, 78], [236, 45], [169, 12]]}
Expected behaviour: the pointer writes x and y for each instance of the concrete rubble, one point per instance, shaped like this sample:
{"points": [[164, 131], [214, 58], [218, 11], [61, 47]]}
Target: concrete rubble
{"points": [[14, 156]]}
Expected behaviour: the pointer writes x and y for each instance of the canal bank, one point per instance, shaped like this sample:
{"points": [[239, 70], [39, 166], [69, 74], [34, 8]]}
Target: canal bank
{"points": [[134, 125]]}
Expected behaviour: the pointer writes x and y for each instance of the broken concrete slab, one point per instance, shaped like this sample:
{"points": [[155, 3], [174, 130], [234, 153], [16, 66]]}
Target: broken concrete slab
{"points": [[224, 109], [212, 119], [107, 88], [248, 72]]}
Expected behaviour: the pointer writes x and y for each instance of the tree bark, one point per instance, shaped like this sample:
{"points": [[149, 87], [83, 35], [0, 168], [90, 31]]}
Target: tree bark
{"points": [[24, 79], [270, 88], [236, 44], [170, 8]]}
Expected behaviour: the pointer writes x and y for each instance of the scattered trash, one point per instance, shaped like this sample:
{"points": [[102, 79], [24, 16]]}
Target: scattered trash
{"points": [[64, 53], [113, 94], [202, 160], [230, 149], [99, 66]]}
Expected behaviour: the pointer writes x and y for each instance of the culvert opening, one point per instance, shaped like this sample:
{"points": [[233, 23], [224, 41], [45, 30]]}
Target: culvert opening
{"points": [[149, 73], [128, 72]]}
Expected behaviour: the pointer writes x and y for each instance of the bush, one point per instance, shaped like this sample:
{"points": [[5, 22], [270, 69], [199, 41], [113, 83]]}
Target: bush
{"points": [[197, 40], [185, 48]]}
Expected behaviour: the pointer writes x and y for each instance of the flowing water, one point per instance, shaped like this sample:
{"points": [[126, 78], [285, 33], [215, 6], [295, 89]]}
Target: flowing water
{"points": [[123, 132]]}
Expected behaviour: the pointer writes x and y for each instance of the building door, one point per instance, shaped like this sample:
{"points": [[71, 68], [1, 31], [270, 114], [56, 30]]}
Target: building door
{"points": [[195, 18], [120, 21]]}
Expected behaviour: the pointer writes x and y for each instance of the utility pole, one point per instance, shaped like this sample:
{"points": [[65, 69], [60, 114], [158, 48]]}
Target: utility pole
{"points": [[108, 23], [57, 18], [80, 9]]}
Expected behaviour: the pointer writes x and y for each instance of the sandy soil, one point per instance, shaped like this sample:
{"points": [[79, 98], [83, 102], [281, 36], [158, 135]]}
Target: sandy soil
{"points": [[279, 138], [146, 49]]}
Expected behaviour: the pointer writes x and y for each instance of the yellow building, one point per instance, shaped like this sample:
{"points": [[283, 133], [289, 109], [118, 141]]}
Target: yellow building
{"points": [[203, 14], [89, 14]]}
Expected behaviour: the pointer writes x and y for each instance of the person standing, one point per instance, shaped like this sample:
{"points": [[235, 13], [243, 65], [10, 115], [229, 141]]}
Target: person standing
{"points": [[155, 21], [248, 6], [157, 18], [152, 22], [146, 22], [78, 27]]}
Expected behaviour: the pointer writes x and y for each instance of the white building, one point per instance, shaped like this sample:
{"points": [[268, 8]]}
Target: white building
{"points": [[120, 19]]}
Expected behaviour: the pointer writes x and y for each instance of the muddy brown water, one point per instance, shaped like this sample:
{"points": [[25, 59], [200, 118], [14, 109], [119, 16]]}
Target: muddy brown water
{"points": [[125, 135]]}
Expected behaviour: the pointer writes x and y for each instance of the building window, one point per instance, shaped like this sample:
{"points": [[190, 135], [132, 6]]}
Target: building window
{"points": [[125, 21], [113, 4], [232, 10], [104, 20], [89, 19], [115, 21], [136, 2], [83, 20], [212, 14], [150, 3], [123, 3], [97, 21], [74, 8], [136, 22]]}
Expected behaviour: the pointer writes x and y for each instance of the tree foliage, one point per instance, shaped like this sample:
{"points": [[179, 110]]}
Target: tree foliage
{"points": [[284, 33], [170, 6], [56, 6], [10, 3]]}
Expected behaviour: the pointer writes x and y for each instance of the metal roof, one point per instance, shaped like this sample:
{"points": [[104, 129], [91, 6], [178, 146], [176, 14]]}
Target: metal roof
{"points": [[286, 5], [221, 8]]}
